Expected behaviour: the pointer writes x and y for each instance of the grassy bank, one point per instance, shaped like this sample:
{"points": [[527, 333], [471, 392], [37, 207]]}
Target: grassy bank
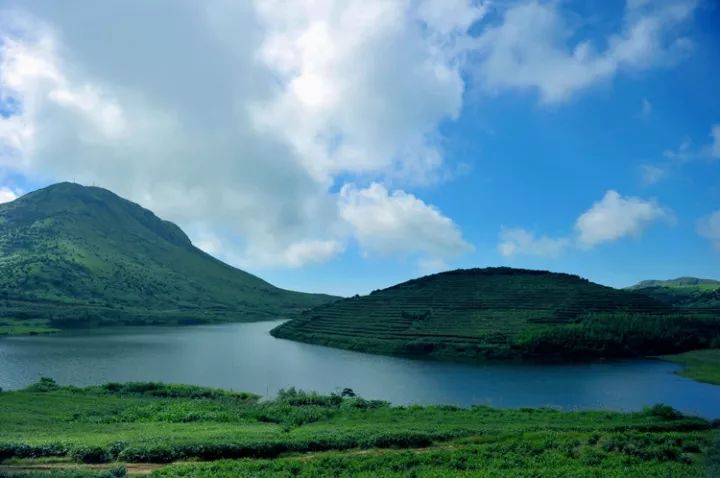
{"points": [[701, 365], [301, 434], [10, 327]]}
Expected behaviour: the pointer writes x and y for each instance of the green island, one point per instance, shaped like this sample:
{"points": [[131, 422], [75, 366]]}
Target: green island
{"points": [[505, 313], [48, 430]]}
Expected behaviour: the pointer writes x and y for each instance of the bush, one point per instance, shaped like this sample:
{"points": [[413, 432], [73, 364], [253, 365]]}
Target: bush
{"points": [[164, 390], [91, 454], [45, 384], [118, 471], [14, 450]]}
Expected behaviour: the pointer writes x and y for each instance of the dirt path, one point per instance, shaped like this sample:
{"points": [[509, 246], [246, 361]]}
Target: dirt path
{"points": [[144, 469], [133, 469]]}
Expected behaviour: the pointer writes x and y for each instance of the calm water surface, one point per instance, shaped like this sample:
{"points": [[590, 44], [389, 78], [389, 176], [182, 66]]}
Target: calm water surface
{"points": [[245, 357]]}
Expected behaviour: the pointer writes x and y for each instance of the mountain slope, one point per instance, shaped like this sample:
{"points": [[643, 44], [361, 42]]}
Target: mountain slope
{"points": [[78, 255], [682, 292], [499, 313]]}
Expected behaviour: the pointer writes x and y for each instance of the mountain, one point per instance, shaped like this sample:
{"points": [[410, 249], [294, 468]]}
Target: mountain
{"points": [[76, 255], [501, 313], [682, 292]]}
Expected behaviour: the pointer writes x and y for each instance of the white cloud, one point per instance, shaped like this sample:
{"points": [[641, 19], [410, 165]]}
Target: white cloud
{"points": [[686, 152], [533, 47], [387, 223], [297, 254], [709, 228], [7, 195], [363, 85], [244, 116], [281, 99], [29, 72], [610, 219], [614, 217], [518, 241]]}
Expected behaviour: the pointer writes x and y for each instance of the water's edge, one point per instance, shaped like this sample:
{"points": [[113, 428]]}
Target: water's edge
{"points": [[244, 357]]}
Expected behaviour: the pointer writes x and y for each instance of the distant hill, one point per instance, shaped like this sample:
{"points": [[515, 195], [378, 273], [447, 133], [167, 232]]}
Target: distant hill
{"points": [[682, 292], [501, 313], [76, 255]]}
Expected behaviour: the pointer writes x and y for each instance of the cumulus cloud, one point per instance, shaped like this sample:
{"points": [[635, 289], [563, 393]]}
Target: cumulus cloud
{"points": [[7, 195], [364, 84], [387, 223], [609, 219], [615, 216], [243, 117], [519, 241], [709, 228], [234, 115], [534, 47]]}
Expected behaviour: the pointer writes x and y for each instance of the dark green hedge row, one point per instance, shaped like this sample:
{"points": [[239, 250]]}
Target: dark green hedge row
{"points": [[624, 335]]}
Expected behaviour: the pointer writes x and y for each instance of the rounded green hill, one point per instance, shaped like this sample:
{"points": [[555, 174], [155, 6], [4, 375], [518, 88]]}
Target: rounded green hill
{"points": [[498, 313]]}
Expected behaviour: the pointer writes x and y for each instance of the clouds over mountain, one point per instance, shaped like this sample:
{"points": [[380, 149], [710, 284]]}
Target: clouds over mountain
{"points": [[286, 131]]}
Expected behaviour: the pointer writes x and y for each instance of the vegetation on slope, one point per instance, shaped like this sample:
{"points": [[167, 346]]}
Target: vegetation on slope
{"points": [[700, 365], [500, 313], [290, 435], [682, 292], [75, 256]]}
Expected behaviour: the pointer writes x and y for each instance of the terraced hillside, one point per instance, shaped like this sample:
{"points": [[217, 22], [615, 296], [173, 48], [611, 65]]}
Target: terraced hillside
{"points": [[501, 313], [75, 256], [683, 292]]}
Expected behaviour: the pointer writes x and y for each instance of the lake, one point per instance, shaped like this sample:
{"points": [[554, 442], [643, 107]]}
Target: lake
{"points": [[245, 357]]}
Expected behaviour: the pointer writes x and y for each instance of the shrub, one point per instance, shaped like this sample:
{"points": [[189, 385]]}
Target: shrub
{"points": [[118, 471], [45, 384], [666, 412], [91, 454]]}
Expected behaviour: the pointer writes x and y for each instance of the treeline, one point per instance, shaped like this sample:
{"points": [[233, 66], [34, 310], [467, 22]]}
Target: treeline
{"points": [[623, 335]]}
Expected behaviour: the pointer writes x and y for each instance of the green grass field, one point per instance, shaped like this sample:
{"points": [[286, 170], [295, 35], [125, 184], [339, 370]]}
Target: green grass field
{"points": [[224, 434], [701, 365]]}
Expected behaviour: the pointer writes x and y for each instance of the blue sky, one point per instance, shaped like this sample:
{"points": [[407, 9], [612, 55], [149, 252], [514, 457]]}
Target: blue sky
{"points": [[346, 146]]}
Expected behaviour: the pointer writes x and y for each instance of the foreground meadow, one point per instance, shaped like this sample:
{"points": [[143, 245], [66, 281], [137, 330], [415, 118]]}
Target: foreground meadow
{"points": [[49, 430]]}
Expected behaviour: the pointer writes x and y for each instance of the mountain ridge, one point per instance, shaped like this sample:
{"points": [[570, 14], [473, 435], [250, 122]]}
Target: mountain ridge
{"points": [[684, 281], [682, 292], [78, 255]]}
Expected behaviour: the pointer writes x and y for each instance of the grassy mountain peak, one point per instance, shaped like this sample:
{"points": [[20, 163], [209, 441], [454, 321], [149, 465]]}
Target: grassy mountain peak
{"points": [[686, 292], [77, 255], [679, 282]]}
